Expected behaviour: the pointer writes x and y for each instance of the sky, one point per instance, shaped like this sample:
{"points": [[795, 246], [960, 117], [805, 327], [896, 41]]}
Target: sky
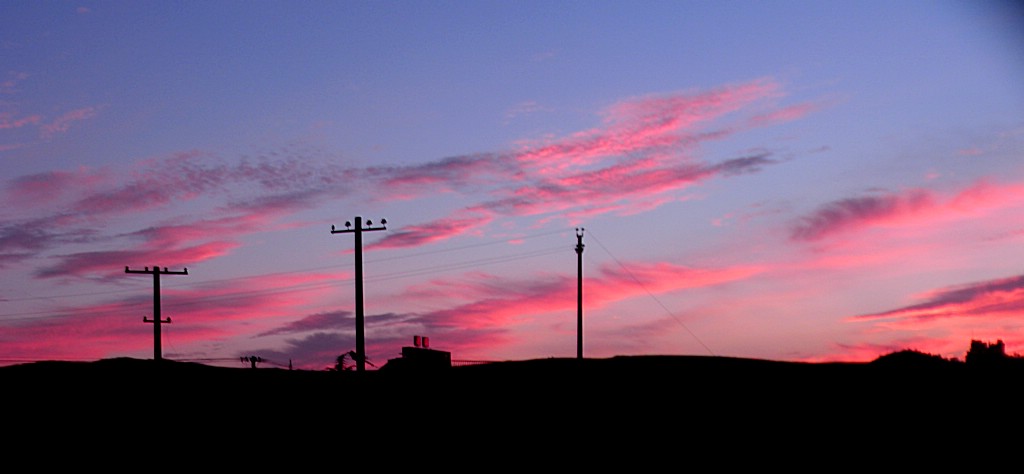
{"points": [[785, 180]]}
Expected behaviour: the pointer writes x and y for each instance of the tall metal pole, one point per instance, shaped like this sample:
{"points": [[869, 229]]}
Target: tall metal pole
{"points": [[579, 293], [157, 321], [358, 231]]}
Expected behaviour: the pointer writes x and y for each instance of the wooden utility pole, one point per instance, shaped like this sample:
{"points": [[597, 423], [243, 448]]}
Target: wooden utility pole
{"points": [[358, 231], [579, 292], [156, 271]]}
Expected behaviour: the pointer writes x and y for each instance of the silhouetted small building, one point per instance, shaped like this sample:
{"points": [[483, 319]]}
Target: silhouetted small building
{"points": [[420, 357]]}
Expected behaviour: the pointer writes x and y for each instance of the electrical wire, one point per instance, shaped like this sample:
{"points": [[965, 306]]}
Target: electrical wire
{"points": [[186, 302], [598, 241]]}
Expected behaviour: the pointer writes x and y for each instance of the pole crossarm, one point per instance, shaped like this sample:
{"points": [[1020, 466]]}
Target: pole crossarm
{"points": [[358, 230], [156, 272]]}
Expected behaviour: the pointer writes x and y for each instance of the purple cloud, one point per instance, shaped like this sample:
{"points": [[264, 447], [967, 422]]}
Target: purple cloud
{"points": [[63, 123], [415, 235], [992, 297], [851, 213], [113, 261], [9, 120], [332, 320], [453, 171]]}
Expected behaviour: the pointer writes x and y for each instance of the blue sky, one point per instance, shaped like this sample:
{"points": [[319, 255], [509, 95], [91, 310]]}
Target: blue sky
{"points": [[787, 180]]}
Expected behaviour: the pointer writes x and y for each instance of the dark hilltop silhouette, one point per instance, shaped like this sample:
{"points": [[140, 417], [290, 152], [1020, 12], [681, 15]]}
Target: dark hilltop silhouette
{"points": [[424, 383]]}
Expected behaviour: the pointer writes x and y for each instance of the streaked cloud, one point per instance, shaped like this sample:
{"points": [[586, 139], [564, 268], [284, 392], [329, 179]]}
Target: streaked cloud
{"points": [[64, 121], [315, 322], [10, 85], [856, 212], [440, 229], [993, 298], [9, 120], [905, 208]]}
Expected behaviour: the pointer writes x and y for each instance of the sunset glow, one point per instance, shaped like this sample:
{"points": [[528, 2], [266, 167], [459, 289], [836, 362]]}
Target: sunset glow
{"points": [[783, 180]]}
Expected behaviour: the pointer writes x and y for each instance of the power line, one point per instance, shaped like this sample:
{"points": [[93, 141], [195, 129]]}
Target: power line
{"points": [[655, 298], [286, 272], [43, 314]]}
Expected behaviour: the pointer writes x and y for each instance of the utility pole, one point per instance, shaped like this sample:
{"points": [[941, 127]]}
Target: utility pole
{"points": [[358, 230], [579, 292], [156, 271]]}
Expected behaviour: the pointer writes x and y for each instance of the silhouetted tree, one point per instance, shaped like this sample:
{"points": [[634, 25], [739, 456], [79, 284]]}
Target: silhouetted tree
{"points": [[346, 362], [982, 353]]}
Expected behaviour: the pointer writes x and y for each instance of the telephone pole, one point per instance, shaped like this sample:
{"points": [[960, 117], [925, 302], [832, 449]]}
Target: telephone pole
{"points": [[156, 271], [358, 231], [579, 292]]}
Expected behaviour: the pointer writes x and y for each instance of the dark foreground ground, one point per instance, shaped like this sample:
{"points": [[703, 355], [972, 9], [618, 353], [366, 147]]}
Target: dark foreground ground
{"points": [[688, 406], [608, 386]]}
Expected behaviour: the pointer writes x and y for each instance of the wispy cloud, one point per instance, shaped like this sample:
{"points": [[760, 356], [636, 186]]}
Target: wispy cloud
{"points": [[525, 108], [63, 122], [999, 297], [441, 229], [638, 159], [10, 85], [333, 320], [104, 262], [785, 114], [910, 207], [493, 303], [857, 212], [9, 120], [199, 313], [451, 173]]}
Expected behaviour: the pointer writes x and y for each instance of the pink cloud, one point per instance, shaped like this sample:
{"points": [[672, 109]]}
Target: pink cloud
{"points": [[111, 262], [557, 293], [63, 123], [91, 200], [524, 108], [89, 338], [174, 236], [986, 195], [283, 187], [455, 172], [970, 152], [10, 85], [441, 229], [858, 212], [635, 159], [258, 302], [319, 321], [173, 245], [866, 352], [786, 114], [993, 298], [9, 121], [616, 188], [484, 307], [911, 207], [214, 310], [44, 188]]}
